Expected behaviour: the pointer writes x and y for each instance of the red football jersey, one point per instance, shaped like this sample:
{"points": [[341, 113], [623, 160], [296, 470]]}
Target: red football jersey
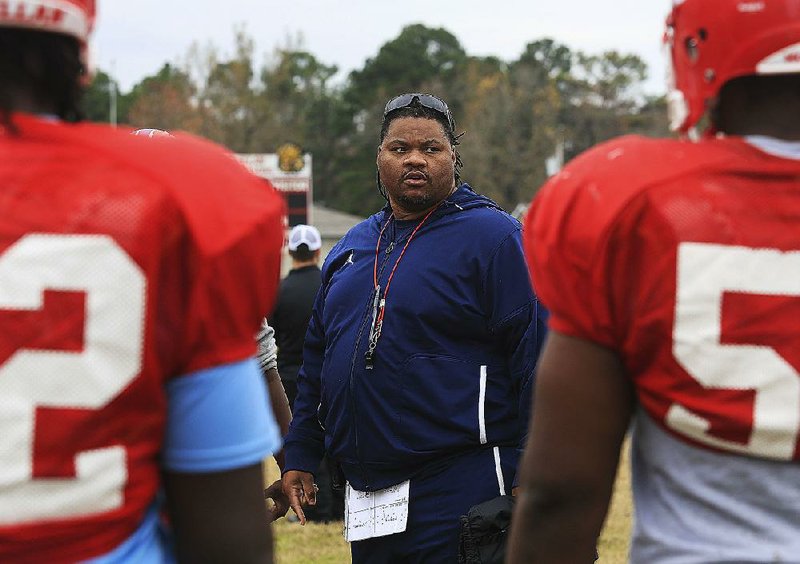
{"points": [[685, 259], [124, 261]]}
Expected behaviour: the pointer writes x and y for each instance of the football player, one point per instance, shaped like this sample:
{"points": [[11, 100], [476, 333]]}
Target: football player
{"points": [[671, 269], [134, 273]]}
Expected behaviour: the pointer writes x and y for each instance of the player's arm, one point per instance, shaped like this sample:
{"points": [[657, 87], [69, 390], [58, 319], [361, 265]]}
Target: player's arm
{"points": [[582, 407], [220, 516], [280, 407], [283, 414], [268, 362], [219, 429]]}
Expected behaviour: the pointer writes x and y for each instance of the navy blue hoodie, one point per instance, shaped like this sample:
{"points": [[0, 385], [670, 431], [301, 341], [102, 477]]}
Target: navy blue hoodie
{"points": [[454, 365]]}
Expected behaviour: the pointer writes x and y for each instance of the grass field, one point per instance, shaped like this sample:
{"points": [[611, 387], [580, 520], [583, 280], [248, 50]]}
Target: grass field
{"points": [[324, 544]]}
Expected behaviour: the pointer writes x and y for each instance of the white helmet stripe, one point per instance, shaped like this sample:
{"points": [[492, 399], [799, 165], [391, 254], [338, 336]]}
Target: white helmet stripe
{"points": [[787, 60], [56, 16]]}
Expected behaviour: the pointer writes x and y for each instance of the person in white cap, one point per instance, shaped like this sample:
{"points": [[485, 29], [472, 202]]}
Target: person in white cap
{"points": [[290, 321], [295, 300], [309, 236]]}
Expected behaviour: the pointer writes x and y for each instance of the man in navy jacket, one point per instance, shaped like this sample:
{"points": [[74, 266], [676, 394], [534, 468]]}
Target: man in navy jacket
{"points": [[419, 358]]}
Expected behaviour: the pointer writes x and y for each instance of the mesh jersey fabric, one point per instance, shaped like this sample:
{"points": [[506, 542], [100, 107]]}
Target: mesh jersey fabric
{"points": [[124, 262], [681, 257]]}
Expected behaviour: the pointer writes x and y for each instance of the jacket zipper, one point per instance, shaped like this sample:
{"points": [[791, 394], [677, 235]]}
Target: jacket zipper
{"points": [[354, 408]]}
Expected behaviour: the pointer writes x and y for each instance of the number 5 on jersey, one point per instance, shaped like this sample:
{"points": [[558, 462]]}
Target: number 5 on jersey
{"points": [[705, 273]]}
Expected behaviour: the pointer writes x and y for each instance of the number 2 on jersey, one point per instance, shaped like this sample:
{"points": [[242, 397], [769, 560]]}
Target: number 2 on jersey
{"points": [[111, 358], [705, 273]]}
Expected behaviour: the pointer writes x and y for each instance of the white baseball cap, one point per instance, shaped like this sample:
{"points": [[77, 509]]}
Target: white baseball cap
{"points": [[307, 234]]}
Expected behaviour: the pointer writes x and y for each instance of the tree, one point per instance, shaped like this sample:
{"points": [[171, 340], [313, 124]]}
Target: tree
{"points": [[515, 114], [419, 57], [297, 99], [165, 101], [602, 94], [555, 59], [299, 104], [513, 120], [97, 100], [227, 97]]}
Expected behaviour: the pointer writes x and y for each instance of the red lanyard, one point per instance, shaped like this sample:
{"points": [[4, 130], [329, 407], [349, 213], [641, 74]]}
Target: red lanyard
{"points": [[378, 302]]}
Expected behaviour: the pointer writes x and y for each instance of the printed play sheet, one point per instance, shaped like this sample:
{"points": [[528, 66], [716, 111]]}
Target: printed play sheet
{"points": [[375, 514]]}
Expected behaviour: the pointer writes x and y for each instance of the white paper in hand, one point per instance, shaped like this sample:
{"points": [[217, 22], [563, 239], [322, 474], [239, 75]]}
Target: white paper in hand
{"points": [[375, 514]]}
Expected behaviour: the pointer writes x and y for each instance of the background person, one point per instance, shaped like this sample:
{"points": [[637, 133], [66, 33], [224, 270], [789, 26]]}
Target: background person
{"points": [[126, 322], [291, 316], [419, 358], [295, 301], [671, 270], [268, 362]]}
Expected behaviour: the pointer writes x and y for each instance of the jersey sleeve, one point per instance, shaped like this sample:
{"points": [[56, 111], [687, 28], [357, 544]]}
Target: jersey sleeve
{"points": [[564, 245], [223, 274], [219, 419], [591, 241], [230, 263]]}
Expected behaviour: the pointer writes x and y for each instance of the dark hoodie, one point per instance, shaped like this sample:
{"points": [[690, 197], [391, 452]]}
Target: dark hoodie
{"points": [[454, 364]]}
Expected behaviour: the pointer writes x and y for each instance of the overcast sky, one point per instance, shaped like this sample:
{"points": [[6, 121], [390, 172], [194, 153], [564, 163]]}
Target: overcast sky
{"points": [[133, 39]]}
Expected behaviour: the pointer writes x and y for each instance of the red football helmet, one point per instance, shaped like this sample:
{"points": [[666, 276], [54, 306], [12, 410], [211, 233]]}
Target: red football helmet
{"points": [[713, 41], [71, 17]]}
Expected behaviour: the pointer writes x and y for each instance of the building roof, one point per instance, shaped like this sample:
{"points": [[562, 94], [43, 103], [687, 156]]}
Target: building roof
{"points": [[333, 224]]}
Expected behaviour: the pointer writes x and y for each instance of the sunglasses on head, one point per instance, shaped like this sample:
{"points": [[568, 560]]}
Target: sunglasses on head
{"points": [[425, 100]]}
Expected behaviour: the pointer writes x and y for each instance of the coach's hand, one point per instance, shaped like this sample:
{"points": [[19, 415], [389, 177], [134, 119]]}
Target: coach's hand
{"points": [[301, 490]]}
